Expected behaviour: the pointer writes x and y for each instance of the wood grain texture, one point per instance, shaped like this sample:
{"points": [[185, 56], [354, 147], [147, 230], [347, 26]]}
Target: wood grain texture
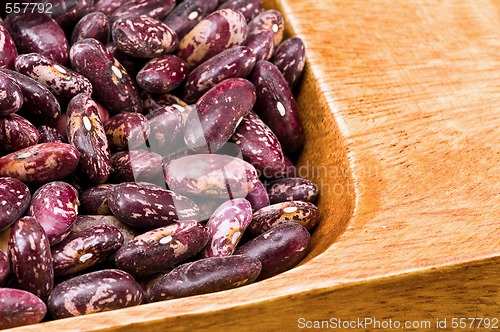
{"points": [[401, 105]]}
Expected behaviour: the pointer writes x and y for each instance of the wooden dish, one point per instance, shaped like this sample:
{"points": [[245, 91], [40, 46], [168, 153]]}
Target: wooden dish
{"points": [[400, 101]]}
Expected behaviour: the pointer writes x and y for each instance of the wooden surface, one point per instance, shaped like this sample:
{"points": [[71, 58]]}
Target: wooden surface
{"points": [[405, 94]]}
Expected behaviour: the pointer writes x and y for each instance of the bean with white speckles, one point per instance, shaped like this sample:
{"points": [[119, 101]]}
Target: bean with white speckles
{"points": [[55, 206], [206, 275], [162, 74], [84, 222], [217, 114], [63, 82], [131, 9], [31, 261], [149, 206], [94, 200], [235, 62], [187, 14], [159, 249], [290, 58], [278, 249], [137, 165], [154, 102], [276, 106], [93, 25], [108, 6], [166, 123], [15, 198], [4, 269], [304, 213], [113, 86], [81, 250], [40, 163], [226, 227], [86, 132], [271, 20], [249, 8], [261, 44], [292, 189], [126, 130], [258, 198], [67, 12], [48, 134], [217, 32], [8, 50], [19, 308], [11, 95], [130, 64], [93, 292], [17, 133]]}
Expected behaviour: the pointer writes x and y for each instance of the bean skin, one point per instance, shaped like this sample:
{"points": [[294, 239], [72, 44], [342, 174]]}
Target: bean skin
{"points": [[48, 134], [249, 8], [165, 123], [292, 189], [258, 198], [15, 199], [17, 133], [162, 74], [138, 165], [290, 57], [11, 95], [67, 12], [8, 50], [187, 14], [271, 20], [84, 222], [107, 7], [4, 269], [261, 44], [93, 25], [156, 9], [126, 130], [19, 308]]}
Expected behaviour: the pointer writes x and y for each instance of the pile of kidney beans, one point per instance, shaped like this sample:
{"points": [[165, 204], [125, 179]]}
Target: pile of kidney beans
{"points": [[140, 141]]}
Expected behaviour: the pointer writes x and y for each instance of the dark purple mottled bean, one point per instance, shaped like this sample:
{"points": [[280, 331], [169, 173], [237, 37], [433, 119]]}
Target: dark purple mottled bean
{"points": [[81, 250], [68, 12], [261, 44], [149, 206], [131, 65], [144, 37], [218, 176], [226, 227], [19, 308], [258, 198], [278, 249], [126, 130], [159, 249], [40, 106], [94, 200], [40, 163], [11, 95], [215, 33], [15, 199], [93, 292], [166, 123], [48, 134], [84, 222], [249, 8], [276, 106], [31, 261], [217, 114], [235, 62], [93, 25], [108, 6], [38, 33], [259, 145], [86, 132], [162, 74], [292, 189], [63, 82], [206, 275], [304, 213], [113, 87], [157, 9], [138, 165], [4, 270], [8, 50], [268, 20], [187, 14], [153, 102], [17, 133], [290, 58]]}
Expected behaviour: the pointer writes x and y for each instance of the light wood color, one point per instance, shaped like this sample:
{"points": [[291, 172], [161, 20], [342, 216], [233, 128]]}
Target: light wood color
{"points": [[406, 95]]}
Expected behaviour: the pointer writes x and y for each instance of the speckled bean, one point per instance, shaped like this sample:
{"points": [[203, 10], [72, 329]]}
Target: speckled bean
{"points": [[149, 206], [81, 250], [276, 106], [126, 130], [48, 134], [113, 87], [162, 74], [159, 249], [249, 8], [93, 292], [226, 227], [19, 308], [206, 275], [4, 269], [217, 32], [304, 213], [11, 95], [157, 9], [108, 6], [166, 123], [258, 198], [8, 50], [278, 249], [290, 58], [15, 199], [38, 33], [84, 222], [268, 20], [94, 200], [130, 64], [261, 44], [138, 165], [68, 12], [93, 25], [187, 14], [292, 189], [17, 133], [30, 257], [40, 163], [217, 114], [153, 102]]}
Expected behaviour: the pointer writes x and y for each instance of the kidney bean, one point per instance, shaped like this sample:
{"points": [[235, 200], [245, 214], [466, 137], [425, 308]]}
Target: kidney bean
{"points": [[218, 176], [278, 249], [48, 134], [84, 222], [276, 106], [12, 95], [249, 8], [108, 6], [31, 261], [63, 82], [67, 12], [8, 50], [290, 58], [156, 9], [18, 308], [206, 275], [258, 198], [162, 74], [15, 199], [292, 189], [17, 133], [166, 123], [187, 14], [38, 33], [94, 200], [215, 33], [140, 166], [153, 102], [126, 130], [40, 163], [261, 44], [81, 250], [159, 249], [4, 269], [112, 85], [266, 218], [149, 206], [93, 292], [268, 20], [130, 64], [217, 114], [93, 25]]}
